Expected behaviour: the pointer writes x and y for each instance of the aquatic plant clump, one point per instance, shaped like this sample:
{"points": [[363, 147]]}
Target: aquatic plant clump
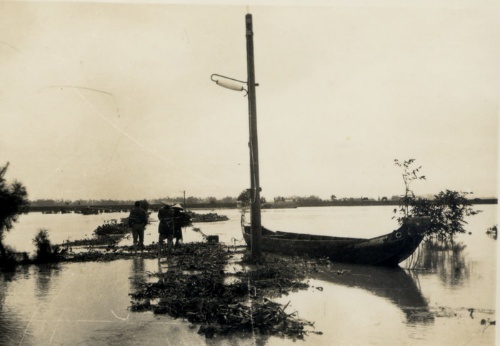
{"points": [[210, 217], [111, 227], [110, 233], [196, 288]]}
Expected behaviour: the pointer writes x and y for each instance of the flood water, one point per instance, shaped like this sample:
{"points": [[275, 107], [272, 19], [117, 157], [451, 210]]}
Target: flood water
{"points": [[448, 298]]}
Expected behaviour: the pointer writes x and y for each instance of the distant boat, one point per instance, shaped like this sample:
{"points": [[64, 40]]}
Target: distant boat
{"points": [[386, 250]]}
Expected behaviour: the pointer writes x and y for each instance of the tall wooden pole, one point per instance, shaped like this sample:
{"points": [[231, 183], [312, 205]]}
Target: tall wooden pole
{"points": [[254, 147]]}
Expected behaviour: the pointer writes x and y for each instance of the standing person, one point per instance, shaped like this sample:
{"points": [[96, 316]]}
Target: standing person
{"points": [[137, 220], [181, 219], [165, 228]]}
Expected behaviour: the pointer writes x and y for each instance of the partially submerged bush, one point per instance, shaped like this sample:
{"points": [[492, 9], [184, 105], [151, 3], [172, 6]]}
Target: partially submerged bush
{"points": [[446, 212], [45, 251], [492, 231]]}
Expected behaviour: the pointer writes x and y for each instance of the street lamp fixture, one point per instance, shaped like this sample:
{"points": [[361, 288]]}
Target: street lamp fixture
{"points": [[230, 83]]}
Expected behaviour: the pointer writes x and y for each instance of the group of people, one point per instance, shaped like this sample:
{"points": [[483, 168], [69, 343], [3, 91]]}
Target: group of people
{"points": [[172, 219]]}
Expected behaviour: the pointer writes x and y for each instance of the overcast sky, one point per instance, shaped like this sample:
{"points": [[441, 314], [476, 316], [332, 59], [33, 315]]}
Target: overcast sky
{"points": [[115, 100]]}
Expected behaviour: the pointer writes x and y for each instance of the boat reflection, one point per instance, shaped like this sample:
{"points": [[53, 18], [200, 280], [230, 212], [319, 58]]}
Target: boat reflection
{"points": [[397, 285]]}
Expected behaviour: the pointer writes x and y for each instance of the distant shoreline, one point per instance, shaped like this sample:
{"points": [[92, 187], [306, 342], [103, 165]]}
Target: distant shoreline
{"points": [[220, 205]]}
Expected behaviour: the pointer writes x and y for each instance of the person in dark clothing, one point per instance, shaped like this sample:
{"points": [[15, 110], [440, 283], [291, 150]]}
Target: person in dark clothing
{"points": [[165, 227], [137, 220], [181, 219]]}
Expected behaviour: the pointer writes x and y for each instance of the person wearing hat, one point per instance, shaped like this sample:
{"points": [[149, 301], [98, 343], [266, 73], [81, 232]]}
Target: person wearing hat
{"points": [[181, 219], [165, 227]]}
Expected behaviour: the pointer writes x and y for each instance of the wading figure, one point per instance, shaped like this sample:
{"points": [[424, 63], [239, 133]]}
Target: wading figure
{"points": [[137, 220], [165, 228], [181, 219]]}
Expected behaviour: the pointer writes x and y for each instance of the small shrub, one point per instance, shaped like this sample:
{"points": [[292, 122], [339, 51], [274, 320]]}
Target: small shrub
{"points": [[45, 252], [446, 212]]}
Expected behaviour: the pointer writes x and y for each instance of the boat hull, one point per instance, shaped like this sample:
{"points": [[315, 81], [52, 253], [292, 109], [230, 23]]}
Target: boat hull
{"points": [[386, 250]]}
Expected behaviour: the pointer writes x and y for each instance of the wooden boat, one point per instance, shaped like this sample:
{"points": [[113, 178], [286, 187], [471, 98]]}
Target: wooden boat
{"points": [[386, 250]]}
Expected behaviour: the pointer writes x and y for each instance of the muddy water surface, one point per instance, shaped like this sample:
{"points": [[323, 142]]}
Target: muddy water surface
{"points": [[443, 301]]}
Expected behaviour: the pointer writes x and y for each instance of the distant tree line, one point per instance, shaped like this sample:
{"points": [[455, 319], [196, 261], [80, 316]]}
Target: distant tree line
{"points": [[106, 202], [232, 201]]}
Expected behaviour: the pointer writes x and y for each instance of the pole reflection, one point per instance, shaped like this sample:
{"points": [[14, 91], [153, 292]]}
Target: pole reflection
{"points": [[138, 273]]}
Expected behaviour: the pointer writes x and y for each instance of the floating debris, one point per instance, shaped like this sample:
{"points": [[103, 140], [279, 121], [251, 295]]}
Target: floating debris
{"points": [[492, 232], [109, 234], [488, 322], [196, 288], [210, 217]]}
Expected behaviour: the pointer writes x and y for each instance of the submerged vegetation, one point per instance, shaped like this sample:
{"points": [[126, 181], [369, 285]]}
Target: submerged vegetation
{"points": [[446, 212], [199, 288], [492, 231], [109, 234], [45, 251], [210, 217]]}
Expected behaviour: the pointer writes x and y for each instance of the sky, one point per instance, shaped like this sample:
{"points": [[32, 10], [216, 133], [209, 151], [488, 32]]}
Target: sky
{"points": [[115, 100]]}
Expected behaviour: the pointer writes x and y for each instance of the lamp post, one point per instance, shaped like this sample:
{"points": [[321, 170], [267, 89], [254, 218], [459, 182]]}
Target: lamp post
{"points": [[256, 227], [254, 146]]}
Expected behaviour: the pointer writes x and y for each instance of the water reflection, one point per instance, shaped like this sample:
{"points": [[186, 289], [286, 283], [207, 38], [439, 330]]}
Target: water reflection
{"points": [[395, 284], [44, 275], [11, 327], [446, 258], [138, 273]]}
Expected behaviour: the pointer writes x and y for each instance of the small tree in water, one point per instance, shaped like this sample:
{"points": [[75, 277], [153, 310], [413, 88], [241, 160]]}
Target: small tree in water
{"points": [[45, 251], [446, 212]]}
